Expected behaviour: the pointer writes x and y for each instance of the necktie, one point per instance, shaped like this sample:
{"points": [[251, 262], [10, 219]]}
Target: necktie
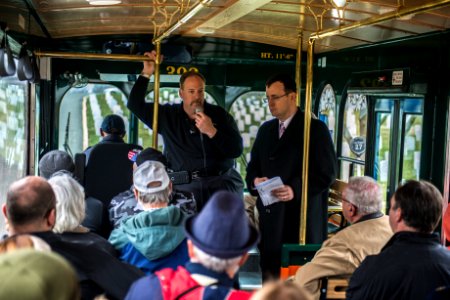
{"points": [[282, 129]]}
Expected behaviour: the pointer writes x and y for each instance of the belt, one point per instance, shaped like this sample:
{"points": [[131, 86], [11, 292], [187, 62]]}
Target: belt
{"points": [[207, 173]]}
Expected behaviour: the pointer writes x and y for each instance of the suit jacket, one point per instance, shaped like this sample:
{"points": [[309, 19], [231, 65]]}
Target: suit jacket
{"points": [[272, 156], [341, 254]]}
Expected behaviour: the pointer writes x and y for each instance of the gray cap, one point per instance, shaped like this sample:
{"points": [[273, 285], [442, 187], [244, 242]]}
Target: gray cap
{"points": [[54, 161], [151, 177]]}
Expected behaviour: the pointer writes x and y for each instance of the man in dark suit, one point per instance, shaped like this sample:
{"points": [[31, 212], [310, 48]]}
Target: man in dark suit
{"points": [[278, 151]]}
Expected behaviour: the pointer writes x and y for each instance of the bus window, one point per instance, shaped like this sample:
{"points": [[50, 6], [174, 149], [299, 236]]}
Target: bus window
{"points": [[353, 137], [249, 111], [327, 109], [166, 95], [13, 116], [82, 111]]}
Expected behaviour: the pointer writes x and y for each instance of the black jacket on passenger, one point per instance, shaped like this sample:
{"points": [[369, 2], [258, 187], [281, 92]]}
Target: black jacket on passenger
{"points": [[98, 271], [183, 147], [410, 266]]}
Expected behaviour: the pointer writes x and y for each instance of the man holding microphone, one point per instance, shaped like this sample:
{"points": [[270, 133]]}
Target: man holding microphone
{"points": [[199, 137]]}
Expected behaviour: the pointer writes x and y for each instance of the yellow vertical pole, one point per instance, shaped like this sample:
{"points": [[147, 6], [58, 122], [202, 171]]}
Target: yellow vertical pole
{"points": [[298, 67], [306, 137], [156, 95]]}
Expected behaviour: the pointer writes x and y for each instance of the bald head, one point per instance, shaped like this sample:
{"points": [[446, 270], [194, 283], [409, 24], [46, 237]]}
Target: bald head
{"points": [[29, 203]]}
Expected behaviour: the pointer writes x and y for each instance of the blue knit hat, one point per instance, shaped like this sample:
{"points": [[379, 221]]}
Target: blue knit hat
{"points": [[113, 124], [222, 228]]}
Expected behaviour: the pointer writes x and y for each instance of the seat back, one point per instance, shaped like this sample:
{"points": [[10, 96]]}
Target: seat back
{"points": [[336, 220], [108, 171], [293, 256], [333, 288]]}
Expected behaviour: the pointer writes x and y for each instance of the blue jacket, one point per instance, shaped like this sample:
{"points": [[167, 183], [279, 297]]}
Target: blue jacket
{"points": [[152, 240]]}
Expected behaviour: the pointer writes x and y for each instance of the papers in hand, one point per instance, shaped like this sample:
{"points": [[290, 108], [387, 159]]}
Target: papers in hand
{"points": [[265, 190]]}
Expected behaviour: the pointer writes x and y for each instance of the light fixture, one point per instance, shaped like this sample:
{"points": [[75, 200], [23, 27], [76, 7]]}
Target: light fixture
{"points": [[104, 2], [205, 30], [339, 3]]}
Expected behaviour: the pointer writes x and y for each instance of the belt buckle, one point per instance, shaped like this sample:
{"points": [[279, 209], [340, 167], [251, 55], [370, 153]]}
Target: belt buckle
{"points": [[195, 175]]}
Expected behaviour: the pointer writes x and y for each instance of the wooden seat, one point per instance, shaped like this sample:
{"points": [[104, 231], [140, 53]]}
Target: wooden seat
{"points": [[333, 287], [336, 220]]}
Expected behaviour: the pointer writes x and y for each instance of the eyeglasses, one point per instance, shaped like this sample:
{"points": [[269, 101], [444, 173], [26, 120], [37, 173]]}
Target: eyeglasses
{"points": [[274, 98]]}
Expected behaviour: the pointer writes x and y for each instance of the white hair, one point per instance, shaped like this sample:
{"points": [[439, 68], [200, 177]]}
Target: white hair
{"points": [[365, 193], [154, 198], [214, 263], [70, 202]]}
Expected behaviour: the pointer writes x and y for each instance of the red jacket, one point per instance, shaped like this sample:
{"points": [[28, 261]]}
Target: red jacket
{"points": [[180, 285]]}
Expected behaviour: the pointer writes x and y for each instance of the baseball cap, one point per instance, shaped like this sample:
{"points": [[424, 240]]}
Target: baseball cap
{"points": [[113, 124], [151, 177], [54, 161]]}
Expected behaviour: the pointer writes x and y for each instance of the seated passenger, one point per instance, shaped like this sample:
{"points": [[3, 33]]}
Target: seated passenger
{"points": [[70, 210], [413, 263], [57, 160], [153, 239], [29, 275], [125, 204], [31, 208], [112, 130], [341, 254], [219, 239]]}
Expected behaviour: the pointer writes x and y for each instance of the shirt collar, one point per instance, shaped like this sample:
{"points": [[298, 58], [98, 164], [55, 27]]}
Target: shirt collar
{"points": [[287, 121]]}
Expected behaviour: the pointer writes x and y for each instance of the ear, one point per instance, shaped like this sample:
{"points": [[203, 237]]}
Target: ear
{"points": [[243, 259], [102, 133], [5, 214], [136, 193], [170, 187], [190, 249], [398, 215], [180, 93], [51, 219], [352, 209]]}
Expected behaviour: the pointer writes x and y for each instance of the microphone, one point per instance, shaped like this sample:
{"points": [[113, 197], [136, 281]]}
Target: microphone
{"points": [[199, 110]]}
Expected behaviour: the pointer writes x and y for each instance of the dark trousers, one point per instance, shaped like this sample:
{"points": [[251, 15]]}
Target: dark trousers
{"points": [[204, 187]]}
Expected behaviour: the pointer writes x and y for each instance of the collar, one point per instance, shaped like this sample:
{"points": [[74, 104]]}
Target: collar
{"points": [[413, 237], [371, 216], [114, 138], [205, 276], [287, 121]]}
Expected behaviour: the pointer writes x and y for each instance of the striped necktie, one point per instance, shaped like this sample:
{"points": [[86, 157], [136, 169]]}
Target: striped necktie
{"points": [[282, 129]]}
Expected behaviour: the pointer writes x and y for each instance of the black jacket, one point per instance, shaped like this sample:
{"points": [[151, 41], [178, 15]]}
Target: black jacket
{"points": [[271, 157], [98, 271], [183, 147], [410, 266]]}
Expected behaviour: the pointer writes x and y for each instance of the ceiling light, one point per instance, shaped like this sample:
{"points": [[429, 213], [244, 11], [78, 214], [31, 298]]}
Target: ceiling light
{"points": [[205, 30], [339, 3], [104, 2]]}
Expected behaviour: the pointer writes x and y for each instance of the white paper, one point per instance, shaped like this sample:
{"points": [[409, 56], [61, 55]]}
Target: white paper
{"points": [[265, 190]]}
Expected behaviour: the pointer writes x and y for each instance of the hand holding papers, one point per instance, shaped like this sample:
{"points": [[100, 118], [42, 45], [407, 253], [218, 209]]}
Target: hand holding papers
{"points": [[265, 190]]}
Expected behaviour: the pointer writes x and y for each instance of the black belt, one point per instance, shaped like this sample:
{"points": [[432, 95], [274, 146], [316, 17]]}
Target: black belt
{"points": [[207, 173]]}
